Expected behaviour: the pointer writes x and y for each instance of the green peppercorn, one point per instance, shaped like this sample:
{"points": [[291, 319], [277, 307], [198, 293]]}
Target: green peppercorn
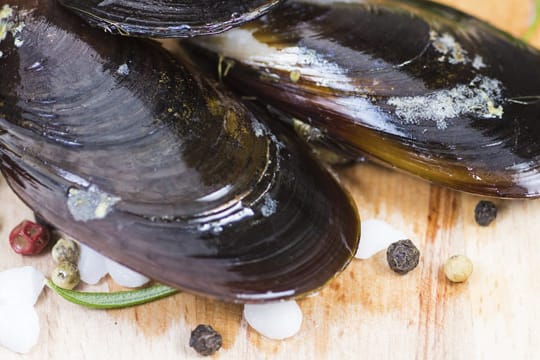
{"points": [[66, 275], [458, 268], [65, 250], [402, 256]]}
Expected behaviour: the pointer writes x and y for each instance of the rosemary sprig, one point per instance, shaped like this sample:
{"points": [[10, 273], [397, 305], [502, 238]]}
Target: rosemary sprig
{"points": [[114, 300]]}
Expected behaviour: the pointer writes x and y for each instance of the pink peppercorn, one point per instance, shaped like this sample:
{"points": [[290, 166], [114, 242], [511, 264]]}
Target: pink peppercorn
{"points": [[28, 238]]}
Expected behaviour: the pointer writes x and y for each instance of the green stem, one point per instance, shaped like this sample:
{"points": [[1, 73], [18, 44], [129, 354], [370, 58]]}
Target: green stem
{"points": [[114, 300], [532, 29]]}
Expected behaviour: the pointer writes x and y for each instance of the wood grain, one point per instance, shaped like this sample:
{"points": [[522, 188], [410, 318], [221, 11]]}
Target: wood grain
{"points": [[368, 312]]}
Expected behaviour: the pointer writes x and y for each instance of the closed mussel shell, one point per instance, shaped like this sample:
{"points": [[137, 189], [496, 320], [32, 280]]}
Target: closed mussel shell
{"points": [[414, 84], [123, 148], [168, 18]]}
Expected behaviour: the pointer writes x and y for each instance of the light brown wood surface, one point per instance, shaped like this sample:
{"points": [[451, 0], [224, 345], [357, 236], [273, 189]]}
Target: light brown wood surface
{"points": [[368, 312]]}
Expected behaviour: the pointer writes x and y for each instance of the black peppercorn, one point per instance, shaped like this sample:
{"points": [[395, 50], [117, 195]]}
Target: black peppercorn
{"points": [[205, 340], [485, 212], [402, 256]]}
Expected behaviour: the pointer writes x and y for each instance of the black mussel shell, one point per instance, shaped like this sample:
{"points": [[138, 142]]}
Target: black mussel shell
{"points": [[168, 18], [117, 144], [418, 85]]}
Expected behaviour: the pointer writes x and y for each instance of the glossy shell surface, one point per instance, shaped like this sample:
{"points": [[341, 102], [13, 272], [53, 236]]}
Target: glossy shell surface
{"points": [[168, 18], [416, 85], [123, 148]]}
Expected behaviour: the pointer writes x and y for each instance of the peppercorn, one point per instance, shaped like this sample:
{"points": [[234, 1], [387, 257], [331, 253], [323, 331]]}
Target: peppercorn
{"points": [[28, 238], [458, 268], [402, 256], [66, 275], [205, 340], [65, 250], [485, 212]]}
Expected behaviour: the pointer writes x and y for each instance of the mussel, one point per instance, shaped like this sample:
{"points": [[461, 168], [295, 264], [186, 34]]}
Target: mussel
{"points": [[168, 18], [119, 145], [413, 84]]}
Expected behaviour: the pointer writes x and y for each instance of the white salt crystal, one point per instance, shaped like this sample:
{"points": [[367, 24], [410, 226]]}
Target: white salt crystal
{"points": [[277, 321], [376, 235], [19, 328], [20, 286], [125, 276], [91, 265], [19, 324]]}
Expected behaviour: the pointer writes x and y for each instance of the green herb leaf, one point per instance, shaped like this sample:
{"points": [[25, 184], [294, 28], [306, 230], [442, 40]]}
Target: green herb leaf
{"points": [[532, 29], [114, 300]]}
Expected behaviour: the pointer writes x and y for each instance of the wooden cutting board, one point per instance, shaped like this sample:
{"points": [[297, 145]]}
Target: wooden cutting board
{"points": [[368, 312]]}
